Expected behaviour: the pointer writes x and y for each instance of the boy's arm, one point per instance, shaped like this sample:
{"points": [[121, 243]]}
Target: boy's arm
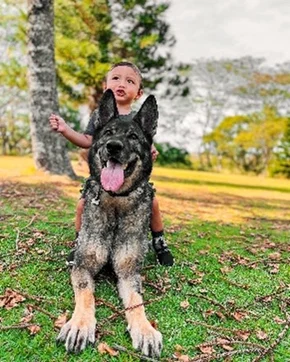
{"points": [[154, 153], [58, 124]]}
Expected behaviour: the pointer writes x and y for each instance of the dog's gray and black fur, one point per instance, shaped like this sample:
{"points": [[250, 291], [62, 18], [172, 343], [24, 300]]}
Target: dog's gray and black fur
{"points": [[115, 226]]}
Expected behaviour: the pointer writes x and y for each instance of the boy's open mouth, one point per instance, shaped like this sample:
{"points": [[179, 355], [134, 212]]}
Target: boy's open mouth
{"points": [[120, 93], [113, 174]]}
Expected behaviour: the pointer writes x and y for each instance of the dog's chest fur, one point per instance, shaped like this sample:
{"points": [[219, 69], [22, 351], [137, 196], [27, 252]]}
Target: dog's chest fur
{"points": [[112, 220]]}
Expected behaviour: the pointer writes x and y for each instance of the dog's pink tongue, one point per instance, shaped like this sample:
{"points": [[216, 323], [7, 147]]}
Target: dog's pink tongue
{"points": [[112, 176]]}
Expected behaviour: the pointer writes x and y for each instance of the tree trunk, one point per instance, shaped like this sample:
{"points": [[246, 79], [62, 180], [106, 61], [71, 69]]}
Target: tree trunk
{"points": [[49, 148]]}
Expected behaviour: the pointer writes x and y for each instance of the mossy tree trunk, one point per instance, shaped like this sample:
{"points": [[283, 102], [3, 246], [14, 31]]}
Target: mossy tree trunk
{"points": [[49, 148]]}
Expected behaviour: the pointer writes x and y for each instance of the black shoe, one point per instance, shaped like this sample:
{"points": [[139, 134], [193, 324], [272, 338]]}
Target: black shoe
{"points": [[70, 259], [164, 255]]}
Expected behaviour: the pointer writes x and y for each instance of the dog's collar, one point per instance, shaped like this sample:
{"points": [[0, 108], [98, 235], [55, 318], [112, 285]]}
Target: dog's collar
{"points": [[125, 193], [122, 194]]}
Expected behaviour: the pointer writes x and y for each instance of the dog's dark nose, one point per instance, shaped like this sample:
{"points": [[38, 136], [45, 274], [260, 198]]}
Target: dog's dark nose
{"points": [[114, 147]]}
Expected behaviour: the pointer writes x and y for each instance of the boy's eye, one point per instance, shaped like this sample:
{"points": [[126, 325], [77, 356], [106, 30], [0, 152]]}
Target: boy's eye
{"points": [[115, 77], [131, 81]]}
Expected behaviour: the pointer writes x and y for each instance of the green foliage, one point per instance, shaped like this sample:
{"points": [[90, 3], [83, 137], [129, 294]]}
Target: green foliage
{"points": [[281, 164], [92, 35], [175, 157], [248, 141], [14, 135]]}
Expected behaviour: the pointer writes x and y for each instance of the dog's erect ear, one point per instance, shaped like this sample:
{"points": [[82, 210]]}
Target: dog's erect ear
{"points": [[107, 108], [147, 116]]}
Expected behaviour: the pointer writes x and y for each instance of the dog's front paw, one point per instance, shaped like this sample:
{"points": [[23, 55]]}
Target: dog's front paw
{"points": [[146, 338], [77, 333]]}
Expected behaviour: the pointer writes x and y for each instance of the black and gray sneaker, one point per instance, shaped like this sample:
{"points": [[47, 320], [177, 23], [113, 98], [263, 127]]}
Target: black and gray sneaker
{"points": [[70, 259], [71, 256], [161, 249]]}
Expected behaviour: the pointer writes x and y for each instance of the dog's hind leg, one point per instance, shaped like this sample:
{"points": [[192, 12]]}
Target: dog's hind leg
{"points": [[79, 331], [144, 336]]}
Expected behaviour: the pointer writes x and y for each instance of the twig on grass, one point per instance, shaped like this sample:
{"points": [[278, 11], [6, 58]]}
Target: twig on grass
{"points": [[30, 222], [210, 300], [273, 345], [108, 304], [229, 342], [224, 355], [17, 239], [223, 329], [122, 312], [134, 354], [31, 297], [39, 309], [16, 326]]}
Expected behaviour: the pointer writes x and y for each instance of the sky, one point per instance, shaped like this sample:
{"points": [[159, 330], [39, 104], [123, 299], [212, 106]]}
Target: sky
{"points": [[231, 29]]}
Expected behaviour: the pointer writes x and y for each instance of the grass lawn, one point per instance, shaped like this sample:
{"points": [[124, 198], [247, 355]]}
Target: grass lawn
{"points": [[227, 298]]}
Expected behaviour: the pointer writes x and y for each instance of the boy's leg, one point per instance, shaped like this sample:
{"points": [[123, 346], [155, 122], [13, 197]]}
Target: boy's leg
{"points": [[158, 241], [78, 223]]}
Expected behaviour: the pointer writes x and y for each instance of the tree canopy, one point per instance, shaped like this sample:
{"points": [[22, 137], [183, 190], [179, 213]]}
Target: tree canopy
{"points": [[248, 141]]}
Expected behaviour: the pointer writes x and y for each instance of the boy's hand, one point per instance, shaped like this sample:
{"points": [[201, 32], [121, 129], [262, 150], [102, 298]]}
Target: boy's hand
{"points": [[57, 123], [154, 153]]}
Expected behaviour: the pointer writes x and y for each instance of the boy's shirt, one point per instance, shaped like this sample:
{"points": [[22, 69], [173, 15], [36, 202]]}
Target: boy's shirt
{"points": [[94, 120]]}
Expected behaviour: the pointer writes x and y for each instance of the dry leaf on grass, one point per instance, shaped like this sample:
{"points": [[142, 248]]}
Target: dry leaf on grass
{"points": [[206, 349], [275, 256], [11, 299], [61, 320], [28, 318], [239, 316], [185, 304], [278, 320], [103, 348], [243, 335], [34, 329], [262, 335], [226, 269], [181, 357]]}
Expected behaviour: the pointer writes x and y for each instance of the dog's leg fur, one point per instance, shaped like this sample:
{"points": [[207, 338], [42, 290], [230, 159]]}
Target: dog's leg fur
{"points": [[80, 329], [144, 336]]}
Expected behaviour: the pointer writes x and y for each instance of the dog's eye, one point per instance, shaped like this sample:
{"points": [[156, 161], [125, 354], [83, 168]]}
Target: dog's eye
{"points": [[133, 136], [108, 132]]}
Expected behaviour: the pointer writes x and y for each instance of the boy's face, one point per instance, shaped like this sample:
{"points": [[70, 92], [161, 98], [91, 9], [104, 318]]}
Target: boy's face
{"points": [[125, 83]]}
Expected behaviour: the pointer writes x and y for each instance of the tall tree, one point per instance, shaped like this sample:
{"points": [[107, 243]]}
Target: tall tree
{"points": [[49, 148], [92, 35]]}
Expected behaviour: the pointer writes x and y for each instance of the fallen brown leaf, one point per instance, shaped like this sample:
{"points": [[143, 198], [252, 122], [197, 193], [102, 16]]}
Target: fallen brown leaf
{"points": [[34, 329], [61, 320], [261, 335], [239, 316], [185, 304], [10, 299], [103, 348], [243, 335], [206, 349]]}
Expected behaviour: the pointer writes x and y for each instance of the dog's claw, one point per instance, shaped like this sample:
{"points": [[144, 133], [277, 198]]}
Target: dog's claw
{"points": [[76, 336], [147, 339]]}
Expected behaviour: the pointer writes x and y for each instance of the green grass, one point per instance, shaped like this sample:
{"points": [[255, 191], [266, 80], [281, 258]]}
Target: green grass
{"points": [[221, 268]]}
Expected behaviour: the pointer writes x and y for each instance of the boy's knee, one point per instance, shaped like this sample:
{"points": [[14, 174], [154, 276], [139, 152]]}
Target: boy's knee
{"points": [[80, 206], [155, 204]]}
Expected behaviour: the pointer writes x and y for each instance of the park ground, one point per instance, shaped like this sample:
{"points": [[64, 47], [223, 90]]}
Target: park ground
{"points": [[226, 299]]}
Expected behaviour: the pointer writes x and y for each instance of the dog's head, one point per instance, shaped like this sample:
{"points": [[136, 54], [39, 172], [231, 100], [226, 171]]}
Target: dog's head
{"points": [[120, 156]]}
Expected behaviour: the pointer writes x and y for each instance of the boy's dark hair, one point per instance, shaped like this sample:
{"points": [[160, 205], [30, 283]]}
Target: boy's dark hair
{"points": [[130, 65]]}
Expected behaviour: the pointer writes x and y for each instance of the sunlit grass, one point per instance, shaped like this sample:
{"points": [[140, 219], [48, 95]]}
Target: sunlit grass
{"points": [[229, 237]]}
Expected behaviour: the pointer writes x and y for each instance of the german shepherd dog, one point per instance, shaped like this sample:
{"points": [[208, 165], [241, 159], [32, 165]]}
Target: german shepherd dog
{"points": [[115, 224]]}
